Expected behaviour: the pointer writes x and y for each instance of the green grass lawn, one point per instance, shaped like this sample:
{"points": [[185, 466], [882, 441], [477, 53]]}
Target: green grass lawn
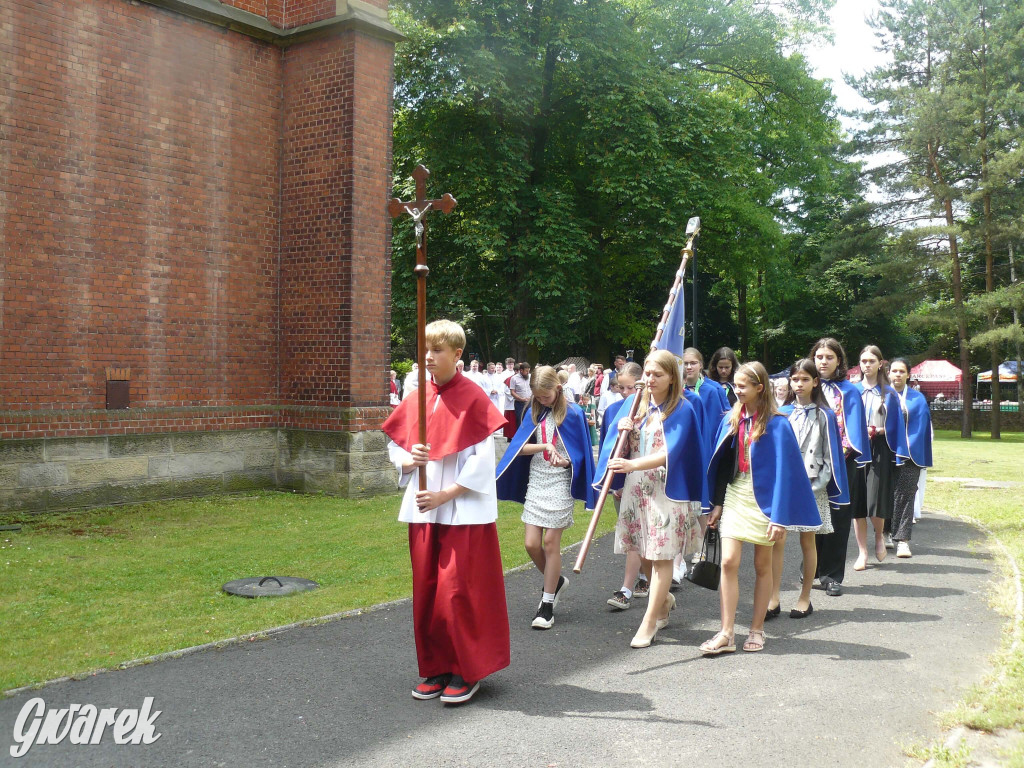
{"points": [[999, 702], [92, 589]]}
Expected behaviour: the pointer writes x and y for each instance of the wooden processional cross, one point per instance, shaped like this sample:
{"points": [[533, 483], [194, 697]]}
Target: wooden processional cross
{"points": [[418, 210]]}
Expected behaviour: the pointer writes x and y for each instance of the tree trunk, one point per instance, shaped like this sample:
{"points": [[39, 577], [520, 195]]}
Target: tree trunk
{"points": [[994, 352], [764, 314], [741, 293], [967, 409], [990, 282], [967, 415]]}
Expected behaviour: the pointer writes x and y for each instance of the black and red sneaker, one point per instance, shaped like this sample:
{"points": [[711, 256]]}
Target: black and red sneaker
{"points": [[458, 690], [431, 688]]}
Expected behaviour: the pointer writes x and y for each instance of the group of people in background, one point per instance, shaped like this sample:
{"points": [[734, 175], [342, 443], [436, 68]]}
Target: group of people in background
{"points": [[705, 447]]}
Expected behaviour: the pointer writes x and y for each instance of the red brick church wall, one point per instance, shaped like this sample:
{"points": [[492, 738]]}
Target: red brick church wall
{"points": [[202, 206], [140, 173]]}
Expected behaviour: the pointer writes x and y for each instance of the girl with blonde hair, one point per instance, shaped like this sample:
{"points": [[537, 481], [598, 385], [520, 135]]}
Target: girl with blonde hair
{"points": [[662, 477], [759, 489], [547, 467]]}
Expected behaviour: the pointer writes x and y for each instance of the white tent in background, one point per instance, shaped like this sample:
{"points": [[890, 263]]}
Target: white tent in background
{"points": [[1007, 374]]}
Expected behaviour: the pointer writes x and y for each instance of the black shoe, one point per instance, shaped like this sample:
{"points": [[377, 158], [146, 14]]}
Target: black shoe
{"points": [[834, 589], [560, 589], [545, 618], [795, 614], [771, 613], [459, 691]]}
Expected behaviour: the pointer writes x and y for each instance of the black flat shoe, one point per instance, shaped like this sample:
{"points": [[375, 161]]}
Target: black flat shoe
{"points": [[834, 589], [771, 613], [795, 614]]}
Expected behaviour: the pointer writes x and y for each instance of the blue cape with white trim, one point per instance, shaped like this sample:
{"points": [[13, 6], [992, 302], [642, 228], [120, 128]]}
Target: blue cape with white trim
{"points": [[781, 487], [914, 434], [683, 481], [513, 472], [839, 483], [856, 421]]}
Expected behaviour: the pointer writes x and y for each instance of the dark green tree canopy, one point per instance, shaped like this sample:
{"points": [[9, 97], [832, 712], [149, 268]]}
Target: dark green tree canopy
{"points": [[580, 135]]}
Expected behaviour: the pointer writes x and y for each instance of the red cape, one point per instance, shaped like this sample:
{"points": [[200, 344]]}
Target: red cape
{"points": [[464, 417]]}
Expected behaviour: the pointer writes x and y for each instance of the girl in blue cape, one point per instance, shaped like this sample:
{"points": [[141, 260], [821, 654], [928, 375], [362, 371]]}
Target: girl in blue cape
{"points": [[760, 489], [662, 477], [713, 397], [912, 425], [548, 465], [817, 435], [845, 400], [875, 482]]}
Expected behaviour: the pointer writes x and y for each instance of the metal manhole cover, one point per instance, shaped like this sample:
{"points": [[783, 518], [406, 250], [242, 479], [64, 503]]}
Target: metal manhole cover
{"points": [[268, 586]]}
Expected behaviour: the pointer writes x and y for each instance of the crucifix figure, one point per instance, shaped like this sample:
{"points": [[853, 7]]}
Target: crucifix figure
{"points": [[418, 209]]}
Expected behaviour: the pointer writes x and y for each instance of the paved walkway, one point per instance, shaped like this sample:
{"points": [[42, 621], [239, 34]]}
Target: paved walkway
{"points": [[845, 687]]}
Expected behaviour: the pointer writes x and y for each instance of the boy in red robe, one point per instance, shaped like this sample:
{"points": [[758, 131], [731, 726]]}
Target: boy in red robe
{"points": [[458, 586]]}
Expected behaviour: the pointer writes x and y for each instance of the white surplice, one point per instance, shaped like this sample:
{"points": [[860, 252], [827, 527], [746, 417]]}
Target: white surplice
{"points": [[472, 468]]}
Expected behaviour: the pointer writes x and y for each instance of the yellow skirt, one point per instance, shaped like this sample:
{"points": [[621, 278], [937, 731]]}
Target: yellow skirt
{"points": [[742, 519]]}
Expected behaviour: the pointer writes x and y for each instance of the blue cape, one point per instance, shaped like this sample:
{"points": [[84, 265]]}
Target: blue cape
{"points": [[715, 403], [513, 473], [856, 421], [839, 483], [913, 434], [781, 487], [683, 481]]}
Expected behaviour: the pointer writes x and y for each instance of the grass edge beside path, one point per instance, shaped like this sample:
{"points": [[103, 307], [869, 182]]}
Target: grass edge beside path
{"points": [[89, 591], [984, 728]]}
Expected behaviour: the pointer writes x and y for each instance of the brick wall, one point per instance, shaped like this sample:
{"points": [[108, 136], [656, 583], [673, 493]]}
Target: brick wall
{"points": [[204, 208], [335, 264], [139, 166]]}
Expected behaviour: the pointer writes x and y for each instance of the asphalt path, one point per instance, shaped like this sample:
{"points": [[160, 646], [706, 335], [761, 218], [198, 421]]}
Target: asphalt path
{"points": [[848, 686]]}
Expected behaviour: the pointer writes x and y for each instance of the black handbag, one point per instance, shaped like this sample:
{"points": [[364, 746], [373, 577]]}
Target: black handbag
{"points": [[707, 572]]}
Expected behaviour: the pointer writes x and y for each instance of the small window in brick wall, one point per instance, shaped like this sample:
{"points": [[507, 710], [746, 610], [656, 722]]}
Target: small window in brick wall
{"points": [[118, 387]]}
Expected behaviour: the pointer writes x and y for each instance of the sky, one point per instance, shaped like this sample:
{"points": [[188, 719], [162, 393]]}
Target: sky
{"points": [[853, 53]]}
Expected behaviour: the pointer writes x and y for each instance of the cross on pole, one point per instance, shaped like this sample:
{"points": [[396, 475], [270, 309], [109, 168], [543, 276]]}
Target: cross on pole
{"points": [[418, 209]]}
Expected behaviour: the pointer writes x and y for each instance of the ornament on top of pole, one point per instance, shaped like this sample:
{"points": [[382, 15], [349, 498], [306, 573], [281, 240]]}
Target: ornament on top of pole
{"points": [[418, 209]]}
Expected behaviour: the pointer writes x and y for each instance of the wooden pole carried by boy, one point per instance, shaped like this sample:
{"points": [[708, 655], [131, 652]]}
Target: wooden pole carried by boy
{"points": [[692, 231], [418, 210]]}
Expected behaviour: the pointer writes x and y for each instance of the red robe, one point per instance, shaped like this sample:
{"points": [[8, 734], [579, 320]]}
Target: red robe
{"points": [[460, 617]]}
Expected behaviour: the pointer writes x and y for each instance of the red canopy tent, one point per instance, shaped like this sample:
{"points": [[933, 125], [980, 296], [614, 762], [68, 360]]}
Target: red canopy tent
{"points": [[938, 376]]}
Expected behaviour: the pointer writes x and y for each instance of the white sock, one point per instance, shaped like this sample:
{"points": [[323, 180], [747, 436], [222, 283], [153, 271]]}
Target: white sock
{"points": [[627, 592], [549, 597]]}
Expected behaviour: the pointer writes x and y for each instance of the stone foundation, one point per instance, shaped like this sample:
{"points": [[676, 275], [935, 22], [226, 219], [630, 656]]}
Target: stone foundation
{"points": [[45, 474]]}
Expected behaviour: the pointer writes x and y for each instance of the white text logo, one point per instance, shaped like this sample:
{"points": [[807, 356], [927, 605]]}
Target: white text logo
{"points": [[82, 724]]}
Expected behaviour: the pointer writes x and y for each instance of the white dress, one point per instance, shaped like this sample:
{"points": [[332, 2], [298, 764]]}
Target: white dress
{"points": [[549, 499]]}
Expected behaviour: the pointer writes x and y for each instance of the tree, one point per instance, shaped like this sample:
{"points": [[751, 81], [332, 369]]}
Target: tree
{"points": [[579, 137]]}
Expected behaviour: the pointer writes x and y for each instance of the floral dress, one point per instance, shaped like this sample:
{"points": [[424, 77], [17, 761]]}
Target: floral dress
{"points": [[649, 522]]}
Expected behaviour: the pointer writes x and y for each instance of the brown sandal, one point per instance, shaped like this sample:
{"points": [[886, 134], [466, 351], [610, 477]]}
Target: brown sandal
{"points": [[720, 643], [752, 645]]}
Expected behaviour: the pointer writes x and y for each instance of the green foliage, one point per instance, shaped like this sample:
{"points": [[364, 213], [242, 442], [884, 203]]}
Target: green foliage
{"points": [[949, 105], [579, 138]]}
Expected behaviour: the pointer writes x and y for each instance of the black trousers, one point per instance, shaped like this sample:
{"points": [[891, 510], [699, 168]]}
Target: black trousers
{"points": [[520, 406], [832, 547]]}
